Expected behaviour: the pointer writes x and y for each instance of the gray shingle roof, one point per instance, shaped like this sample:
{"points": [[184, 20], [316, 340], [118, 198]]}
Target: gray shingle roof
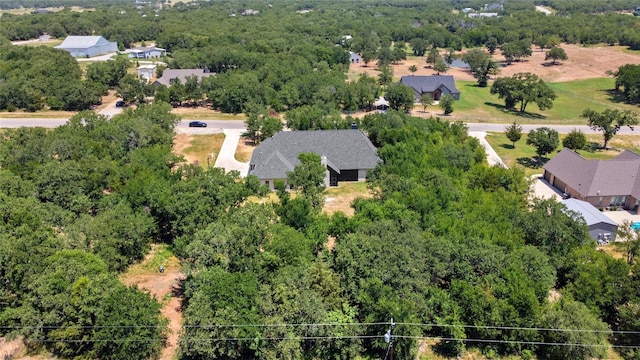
{"points": [[169, 75], [427, 84], [81, 42], [619, 176], [589, 212], [344, 150]]}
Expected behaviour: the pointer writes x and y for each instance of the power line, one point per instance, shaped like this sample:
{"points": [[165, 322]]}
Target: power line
{"points": [[216, 326], [522, 342]]}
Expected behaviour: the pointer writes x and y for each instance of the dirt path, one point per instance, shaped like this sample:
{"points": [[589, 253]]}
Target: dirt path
{"points": [[165, 287]]}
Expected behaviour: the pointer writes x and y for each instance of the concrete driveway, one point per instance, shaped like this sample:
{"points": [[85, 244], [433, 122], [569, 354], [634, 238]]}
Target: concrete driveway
{"points": [[227, 156], [542, 189], [492, 155]]}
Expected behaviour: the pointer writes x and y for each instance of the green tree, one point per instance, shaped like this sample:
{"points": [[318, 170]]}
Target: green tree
{"points": [[609, 121], [309, 178], [433, 56], [524, 88], [492, 45], [450, 56], [481, 65], [398, 53], [446, 104], [425, 100], [413, 69], [513, 132], [386, 75], [628, 79], [569, 314], [440, 66], [575, 140], [130, 89], [400, 97], [555, 54], [419, 46], [544, 139]]}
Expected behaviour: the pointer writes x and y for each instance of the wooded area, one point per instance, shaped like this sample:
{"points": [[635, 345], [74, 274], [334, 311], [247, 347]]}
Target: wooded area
{"points": [[452, 249]]}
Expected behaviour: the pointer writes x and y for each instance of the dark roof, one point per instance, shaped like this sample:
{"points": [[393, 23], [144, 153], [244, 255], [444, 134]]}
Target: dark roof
{"points": [[589, 213], [344, 150], [169, 75], [619, 176], [428, 84]]}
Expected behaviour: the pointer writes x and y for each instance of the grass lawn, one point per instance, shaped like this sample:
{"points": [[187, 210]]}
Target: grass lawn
{"points": [[523, 156], [200, 113], [161, 254], [201, 146], [478, 105]]}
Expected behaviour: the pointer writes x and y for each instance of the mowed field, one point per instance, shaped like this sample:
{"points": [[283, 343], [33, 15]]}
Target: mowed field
{"points": [[580, 82]]}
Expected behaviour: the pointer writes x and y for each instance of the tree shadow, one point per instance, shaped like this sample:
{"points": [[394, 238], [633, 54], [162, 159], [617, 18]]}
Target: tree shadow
{"points": [[615, 96], [508, 111], [507, 146], [532, 162]]}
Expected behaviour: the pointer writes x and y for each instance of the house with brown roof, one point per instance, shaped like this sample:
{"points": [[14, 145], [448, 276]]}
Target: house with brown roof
{"points": [[602, 183]]}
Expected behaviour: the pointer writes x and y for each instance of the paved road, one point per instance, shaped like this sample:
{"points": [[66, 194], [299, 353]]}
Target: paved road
{"points": [[239, 124], [51, 123]]}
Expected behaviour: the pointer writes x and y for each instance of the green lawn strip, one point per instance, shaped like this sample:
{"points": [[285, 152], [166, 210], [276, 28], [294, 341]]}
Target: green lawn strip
{"points": [[523, 156], [204, 145], [478, 105], [207, 115], [348, 188]]}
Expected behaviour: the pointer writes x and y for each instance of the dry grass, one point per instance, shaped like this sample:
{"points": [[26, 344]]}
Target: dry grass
{"points": [[340, 198], [204, 113], [244, 150], [23, 11], [196, 149]]}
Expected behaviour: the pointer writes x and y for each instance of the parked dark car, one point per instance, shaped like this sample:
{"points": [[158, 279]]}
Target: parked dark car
{"points": [[197, 124], [119, 103]]}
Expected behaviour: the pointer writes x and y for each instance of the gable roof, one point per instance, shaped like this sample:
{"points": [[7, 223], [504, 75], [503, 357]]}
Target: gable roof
{"points": [[589, 212], [618, 176], [81, 42], [168, 75], [343, 149], [428, 84]]}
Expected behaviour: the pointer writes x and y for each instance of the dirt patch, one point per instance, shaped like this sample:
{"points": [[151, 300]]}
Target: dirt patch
{"points": [[244, 150], [165, 287], [583, 63], [340, 198], [16, 350], [181, 142]]}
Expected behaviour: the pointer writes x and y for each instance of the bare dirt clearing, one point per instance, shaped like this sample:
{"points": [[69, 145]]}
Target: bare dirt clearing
{"points": [[165, 287], [583, 63]]}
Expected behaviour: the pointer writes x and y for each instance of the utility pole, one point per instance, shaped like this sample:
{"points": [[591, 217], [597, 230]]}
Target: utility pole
{"points": [[388, 337]]}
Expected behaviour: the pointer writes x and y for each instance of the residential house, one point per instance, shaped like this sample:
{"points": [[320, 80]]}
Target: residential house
{"points": [[170, 75], [601, 227], [148, 52], [483, 14], [434, 85], [347, 154], [147, 71], [354, 58], [87, 46], [602, 183]]}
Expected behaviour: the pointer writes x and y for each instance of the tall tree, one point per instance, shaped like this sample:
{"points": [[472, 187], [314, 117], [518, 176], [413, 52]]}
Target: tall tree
{"points": [[309, 178], [544, 139], [555, 54], [524, 88], [609, 121], [425, 100], [400, 97], [433, 56], [481, 65], [513, 132], [446, 104], [440, 66], [386, 75], [419, 46]]}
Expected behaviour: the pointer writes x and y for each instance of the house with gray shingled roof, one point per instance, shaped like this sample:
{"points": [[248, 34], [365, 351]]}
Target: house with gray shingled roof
{"points": [[348, 155], [170, 75], [434, 85], [602, 183]]}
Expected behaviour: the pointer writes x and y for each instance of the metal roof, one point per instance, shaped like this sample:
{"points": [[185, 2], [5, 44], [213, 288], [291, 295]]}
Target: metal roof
{"points": [[344, 150], [81, 42], [169, 75], [589, 212]]}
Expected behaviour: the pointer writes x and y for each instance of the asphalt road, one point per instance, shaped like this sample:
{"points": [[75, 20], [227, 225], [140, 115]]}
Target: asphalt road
{"points": [[52, 123], [239, 125]]}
